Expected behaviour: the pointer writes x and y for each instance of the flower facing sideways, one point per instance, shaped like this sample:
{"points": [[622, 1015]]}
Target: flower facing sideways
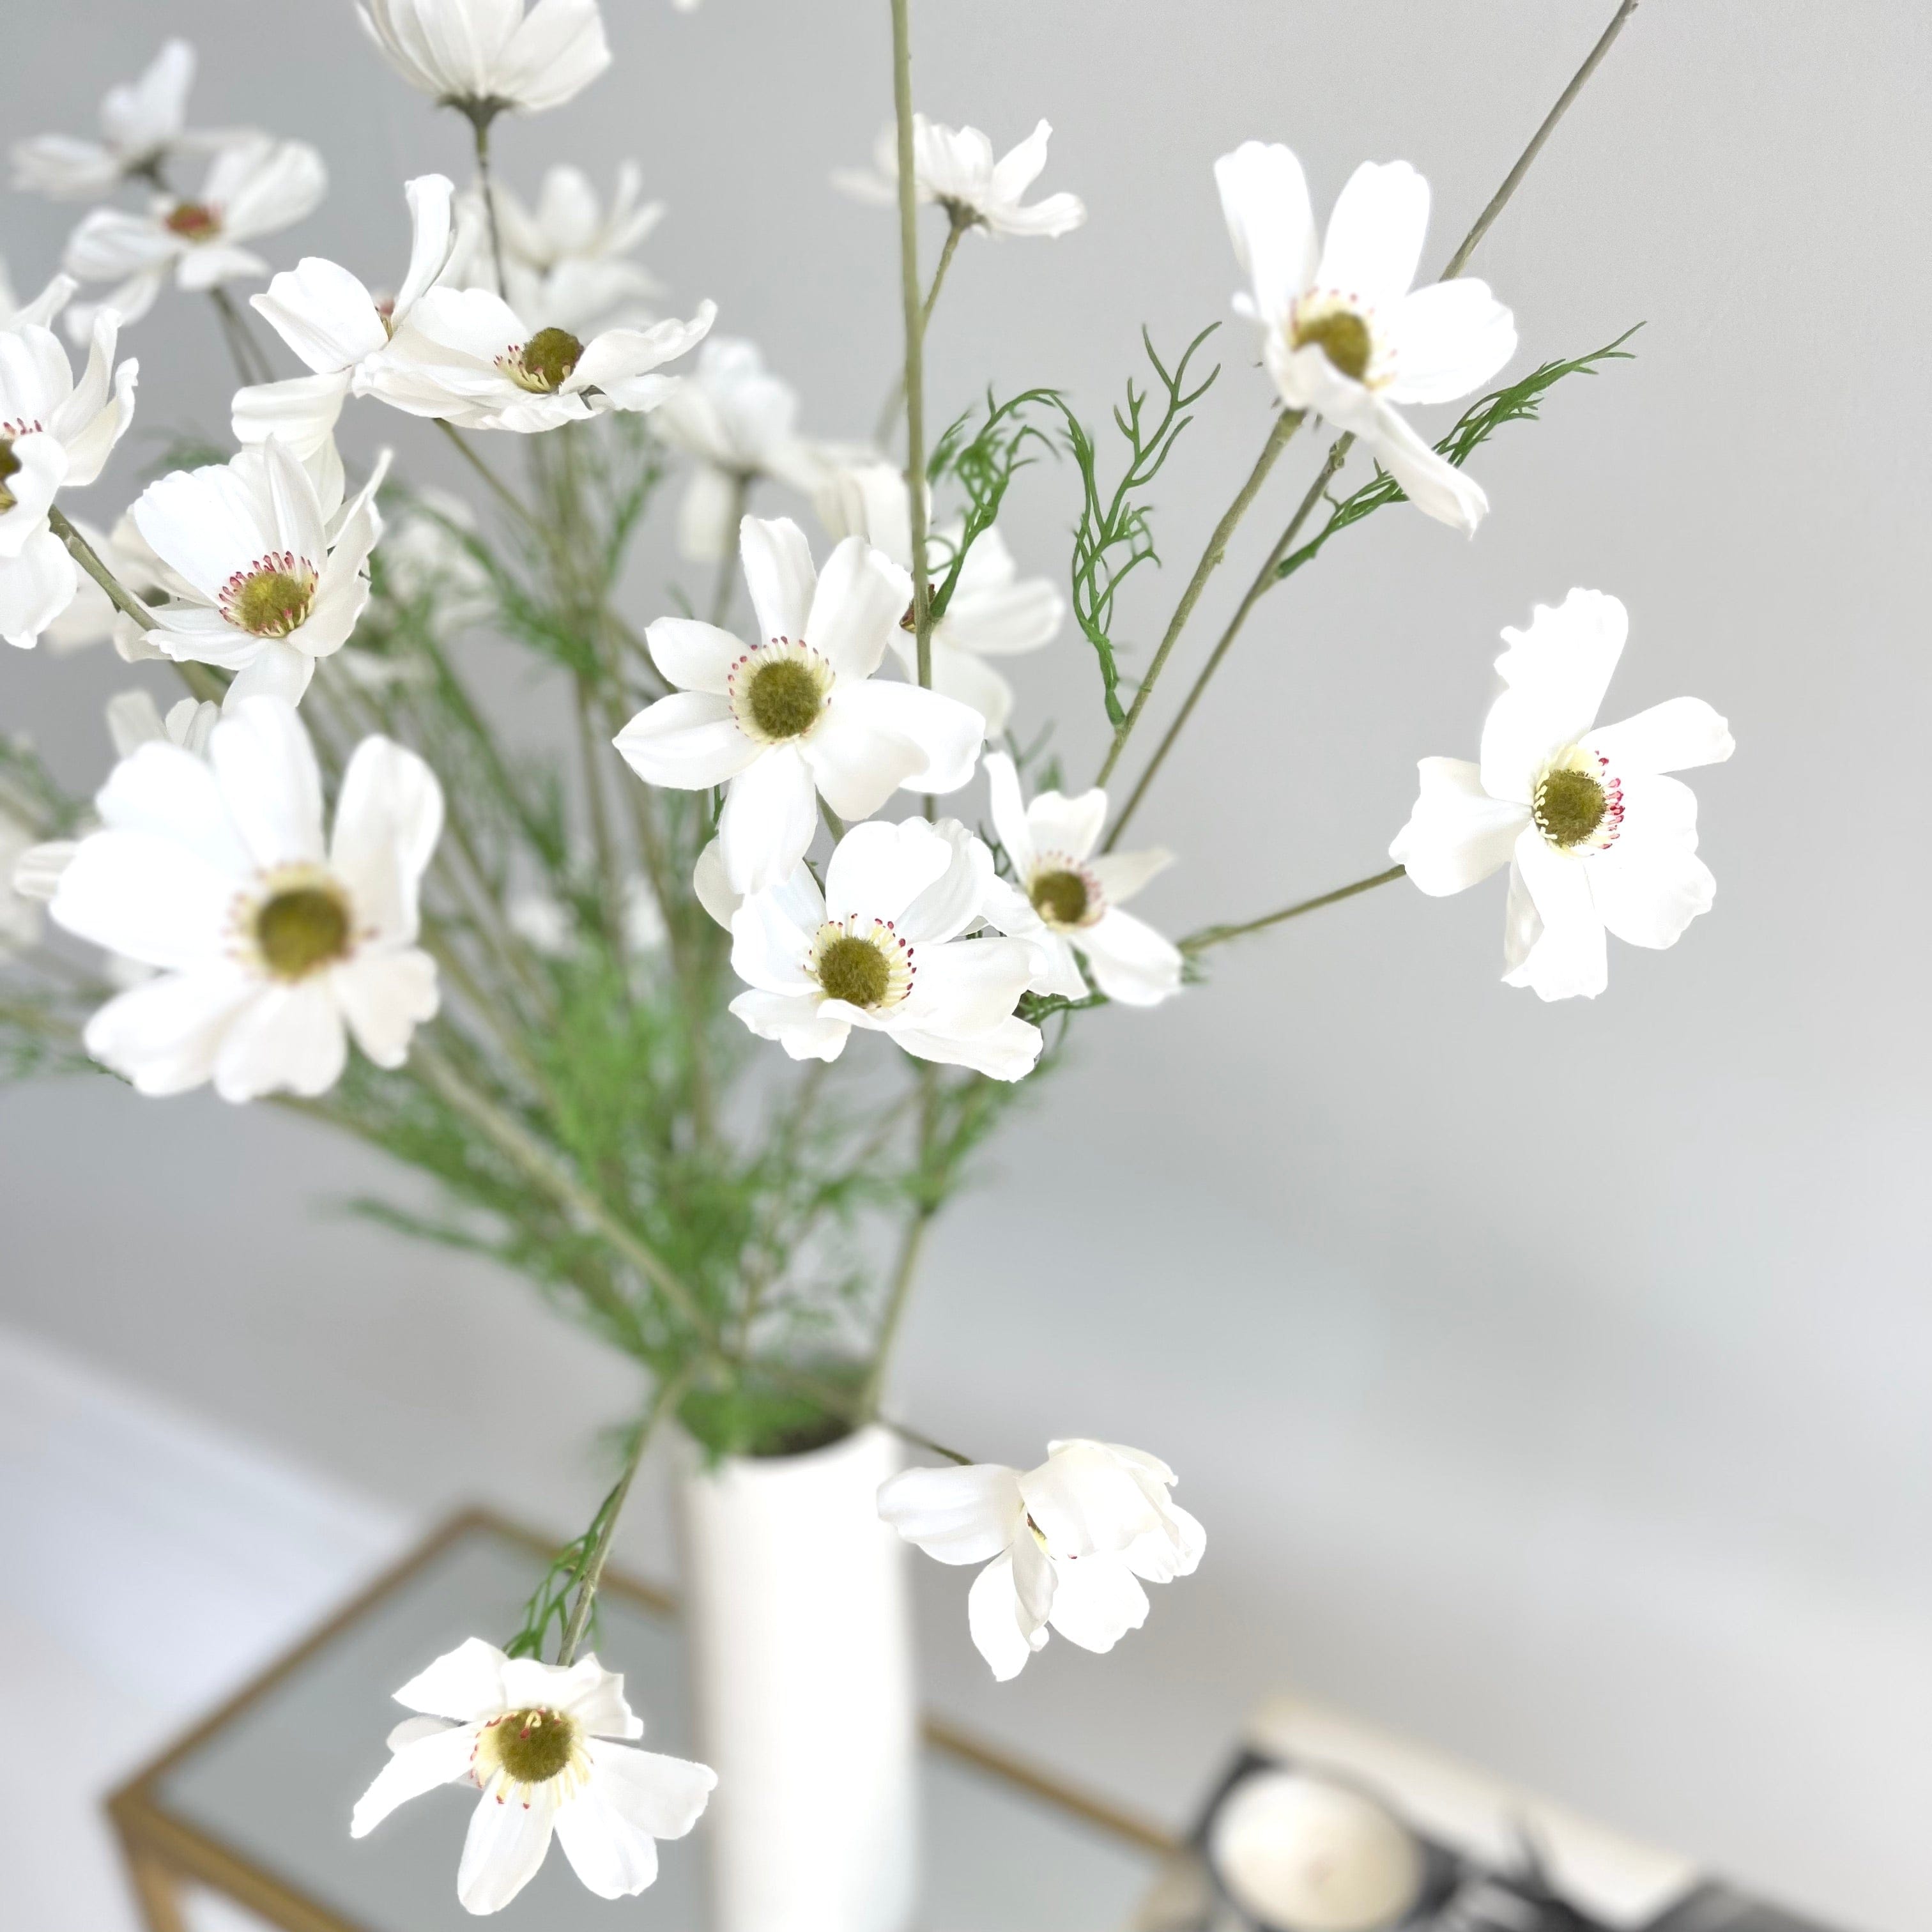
{"points": [[1066, 897], [483, 56], [54, 434], [797, 715], [1066, 1546], [142, 122], [270, 577], [464, 357], [1345, 334], [255, 187], [1596, 837], [881, 949], [268, 942], [542, 1743], [955, 167]]}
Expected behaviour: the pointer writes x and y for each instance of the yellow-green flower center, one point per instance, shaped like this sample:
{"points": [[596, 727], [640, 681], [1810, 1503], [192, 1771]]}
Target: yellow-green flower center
{"points": [[1569, 806], [785, 699], [1061, 899], [854, 970], [191, 220], [546, 362], [302, 929], [1343, 336], [531, 1747], [9, 466], [271, 602]]}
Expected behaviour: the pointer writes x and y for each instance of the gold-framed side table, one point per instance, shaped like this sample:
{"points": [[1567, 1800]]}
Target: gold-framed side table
{"points": [[253, 1804]]}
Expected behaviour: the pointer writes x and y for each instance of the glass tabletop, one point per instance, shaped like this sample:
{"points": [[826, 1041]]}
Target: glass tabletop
{"points": [[275, 1783]]}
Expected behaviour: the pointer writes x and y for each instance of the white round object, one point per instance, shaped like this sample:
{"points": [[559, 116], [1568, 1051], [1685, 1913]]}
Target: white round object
{"points": [[1301, 1853]]}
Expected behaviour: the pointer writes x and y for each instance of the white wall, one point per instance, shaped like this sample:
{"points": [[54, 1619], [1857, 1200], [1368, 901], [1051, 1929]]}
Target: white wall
{"points": [[1552, 1381]]}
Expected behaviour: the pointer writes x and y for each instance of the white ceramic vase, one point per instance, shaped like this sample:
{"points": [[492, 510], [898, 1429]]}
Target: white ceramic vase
{"points": [[796, 1600]]}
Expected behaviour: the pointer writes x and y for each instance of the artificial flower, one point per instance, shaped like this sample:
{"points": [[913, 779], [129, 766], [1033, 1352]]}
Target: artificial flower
{"points": [[93, 618], [1069, 1542], [735, 420], [142, 122], [1345, 334], [540, 1742], [1067, 897], [484, 55], [881, 948], [955, 167], [54, 434], [14, 313], [271, 577], [1596, 837], [463, 356], [567, 257], [992, 613], [336, 325], [799, 713], [269, 942], [255, 187]]}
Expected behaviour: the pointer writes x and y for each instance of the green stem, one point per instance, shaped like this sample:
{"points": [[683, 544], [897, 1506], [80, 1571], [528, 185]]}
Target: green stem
{"points": [[82, 552], [1283, 427], [1218, 935], [962, 221], [481, 115], [913, 303], [504, 494], [251, 363], [728, 565]]}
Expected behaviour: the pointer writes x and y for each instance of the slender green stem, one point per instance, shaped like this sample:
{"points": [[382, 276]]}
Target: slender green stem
{"points": [[251, 362], [1283, 427], [1263, 581], [504, 494], [919, 1440], [609, 872], [1514, 179], [905, 1273], [481, 115], [962, 219], [664, 1403], [1218, 935], [727, 585], [82, 552], [913, 303]]}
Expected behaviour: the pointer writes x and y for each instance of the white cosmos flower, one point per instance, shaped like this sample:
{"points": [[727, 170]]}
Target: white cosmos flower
{"points": [[464, 356], [54, 434], [797, 715], [736, 421], [955, 167], [1595, 836], [335, 323], [881, 948], [993, 612], [271, 580], [255, 187], [1067, 898], [1069, 1542], [542, 1743], [1345, 334], [142, 122], [269, 942], [484, 55]]}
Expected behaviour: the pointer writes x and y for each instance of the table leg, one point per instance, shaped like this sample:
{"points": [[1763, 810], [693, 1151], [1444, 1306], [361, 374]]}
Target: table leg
{"points": [[158, 1890]]}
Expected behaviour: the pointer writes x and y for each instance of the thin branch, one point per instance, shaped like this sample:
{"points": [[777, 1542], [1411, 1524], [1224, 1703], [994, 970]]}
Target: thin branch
{"points": [[1218, 935], [481, 113], [504, 494], [913, 300]]}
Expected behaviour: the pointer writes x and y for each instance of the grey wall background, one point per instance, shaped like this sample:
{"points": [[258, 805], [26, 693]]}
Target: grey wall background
{"points": [[1553, 1381]]}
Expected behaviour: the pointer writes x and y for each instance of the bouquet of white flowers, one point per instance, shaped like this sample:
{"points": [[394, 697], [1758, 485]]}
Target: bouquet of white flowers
{"points": [[326, 878]]}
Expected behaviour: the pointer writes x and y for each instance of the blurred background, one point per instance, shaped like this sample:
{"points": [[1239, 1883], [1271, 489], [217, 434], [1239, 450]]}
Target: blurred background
{"points": [[1553, 1381]]}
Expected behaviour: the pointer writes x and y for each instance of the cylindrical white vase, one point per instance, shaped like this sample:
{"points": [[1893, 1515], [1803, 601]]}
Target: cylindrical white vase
{"points": [[796, 1600]]}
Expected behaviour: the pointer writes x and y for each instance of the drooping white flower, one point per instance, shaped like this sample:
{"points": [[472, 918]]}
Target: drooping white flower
{"points": [[1067, 897], [1069, 1542], [143, 123], [568, 258], [1345, 334], [272, 580], [881, 948], [54, 434], [1597, 838], [463, 356], [993, 611], [797, 715], [484, 55], [955, 167], [335, 324], [255, 187], [542, 1744], [269, 942], [737, 421]]}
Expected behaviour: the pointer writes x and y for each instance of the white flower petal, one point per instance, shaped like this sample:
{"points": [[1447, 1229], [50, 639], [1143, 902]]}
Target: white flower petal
{"points": [[36, 587], [949, 734], [1067, 828], [956, 1515], [794, 1022], [1097, 1601], [466, 1684], [1429, 479], [878, 870], [968, 986], [288, 1039], [692, 655], [1122, 874], [856, 761], [1010, 821], [1456, 834], [388, 816], [688, 740], [163, 1035], [504, 1849], [145, 897], [664, 1796], [1131, 962], [993, 1617], [441, 1759], [856, 607], [1557, 671], [270, 782], [1264, 198], [324, 314], [779, 575], [1374, 241], [1567, 958], [1647, 891], [1446, 340], [609, 1855], [1007, 1051], [1672, 736], [771, 933], [771, 812], [957, 899], [384, 997]]}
